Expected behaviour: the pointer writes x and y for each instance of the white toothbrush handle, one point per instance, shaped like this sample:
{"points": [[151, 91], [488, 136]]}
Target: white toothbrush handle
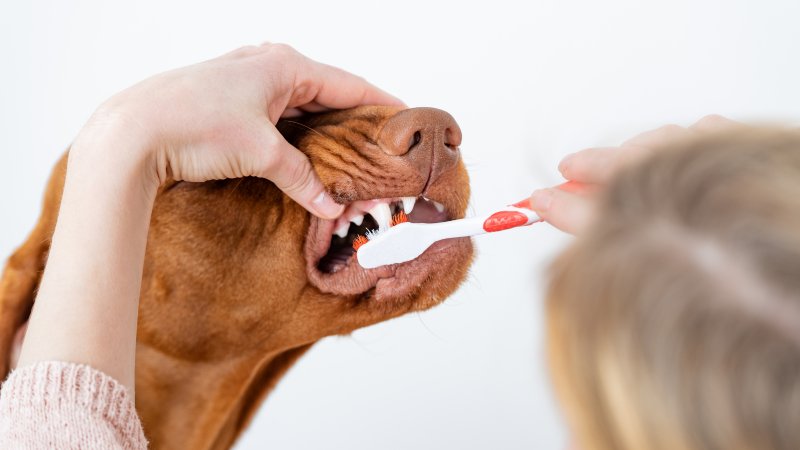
{"points": [[517, 215], [407, 241]]}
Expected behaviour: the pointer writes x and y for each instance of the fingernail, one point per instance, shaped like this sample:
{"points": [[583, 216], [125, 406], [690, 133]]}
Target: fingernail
{"points": [[564, 164], [326, 207], [541, 199]]}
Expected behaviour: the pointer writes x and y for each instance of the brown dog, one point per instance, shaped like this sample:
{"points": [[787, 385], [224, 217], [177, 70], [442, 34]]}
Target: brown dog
{"points": [[239, 280]]}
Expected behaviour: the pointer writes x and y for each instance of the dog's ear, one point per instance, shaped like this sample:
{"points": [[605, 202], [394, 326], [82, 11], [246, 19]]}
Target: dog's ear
{"points": [[23, 272]]}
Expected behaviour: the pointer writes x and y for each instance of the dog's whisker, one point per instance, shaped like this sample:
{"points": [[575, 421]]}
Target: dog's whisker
{"points": [[234, 188], [304, 126], [419, 316]]}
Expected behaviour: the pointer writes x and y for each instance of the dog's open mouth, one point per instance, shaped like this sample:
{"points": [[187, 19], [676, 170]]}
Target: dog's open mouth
{"points": [[373, 215], [331, 260]]}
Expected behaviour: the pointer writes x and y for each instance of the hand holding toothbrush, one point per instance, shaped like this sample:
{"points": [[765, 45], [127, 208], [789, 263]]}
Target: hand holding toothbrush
{"points": [[572, 210]]}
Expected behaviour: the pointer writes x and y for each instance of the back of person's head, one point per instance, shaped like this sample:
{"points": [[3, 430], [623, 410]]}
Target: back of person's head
{"points": [[674, 323]]}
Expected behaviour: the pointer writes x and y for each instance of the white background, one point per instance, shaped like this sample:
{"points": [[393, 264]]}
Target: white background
{"points": [[528, 82]]}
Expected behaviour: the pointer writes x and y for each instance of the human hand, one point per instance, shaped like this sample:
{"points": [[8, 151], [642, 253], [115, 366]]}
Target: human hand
{"points": [[212, 120], [570, 207], [216, 119]]}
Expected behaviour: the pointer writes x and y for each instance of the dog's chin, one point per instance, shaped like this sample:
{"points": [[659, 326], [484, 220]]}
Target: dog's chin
{"points": [[332, 265]]}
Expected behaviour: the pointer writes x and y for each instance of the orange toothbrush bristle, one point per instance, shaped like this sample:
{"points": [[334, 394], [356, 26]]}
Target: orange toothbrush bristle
{"points": [[399, 218], [359, 241]]}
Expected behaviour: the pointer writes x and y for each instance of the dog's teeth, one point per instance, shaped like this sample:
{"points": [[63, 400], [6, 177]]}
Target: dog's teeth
{"points": [[357, 220], [382, 214], [408, 204], [439, 206], [342, 232]]}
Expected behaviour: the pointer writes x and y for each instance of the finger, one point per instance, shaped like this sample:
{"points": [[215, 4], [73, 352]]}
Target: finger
{"points": [[292, 173], [597, 165], [715, 122], [339, 89], [329, 86], [292, 112], [310, 107], [314, 107], [659, 137], [580, 189], [569, 213]]}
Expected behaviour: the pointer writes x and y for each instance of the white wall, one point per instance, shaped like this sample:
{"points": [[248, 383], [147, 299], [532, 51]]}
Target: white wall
{"points": [[527, 81]]}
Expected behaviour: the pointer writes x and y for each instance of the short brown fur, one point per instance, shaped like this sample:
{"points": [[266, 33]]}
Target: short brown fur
{"points": [[226, 305]]}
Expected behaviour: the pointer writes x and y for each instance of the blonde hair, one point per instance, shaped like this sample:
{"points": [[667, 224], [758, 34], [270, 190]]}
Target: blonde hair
{"points": [[674, 323]]}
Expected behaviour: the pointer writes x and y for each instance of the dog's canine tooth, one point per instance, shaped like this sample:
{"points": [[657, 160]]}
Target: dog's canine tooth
{"points": [[408, 204], [382, 214], [439, 206], [357, 220], [342, 232]]}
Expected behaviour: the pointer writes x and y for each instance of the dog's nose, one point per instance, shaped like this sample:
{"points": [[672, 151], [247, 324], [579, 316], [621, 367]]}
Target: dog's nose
{"points": [[428, 137], [415, 127]]}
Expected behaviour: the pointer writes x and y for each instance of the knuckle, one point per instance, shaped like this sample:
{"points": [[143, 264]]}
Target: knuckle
{"points": [[272, 156], [711, 118], [284, 50], [668, 133], [710, 121], [245, 50], [671, 130], [272, 160]]}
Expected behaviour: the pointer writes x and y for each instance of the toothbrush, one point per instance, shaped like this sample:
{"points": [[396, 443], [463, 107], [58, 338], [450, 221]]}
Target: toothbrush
{"points": [[405, 241]]}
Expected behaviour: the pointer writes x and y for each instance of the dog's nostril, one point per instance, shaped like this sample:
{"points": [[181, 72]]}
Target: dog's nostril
{"points": [[414, 140], [448, 139]]}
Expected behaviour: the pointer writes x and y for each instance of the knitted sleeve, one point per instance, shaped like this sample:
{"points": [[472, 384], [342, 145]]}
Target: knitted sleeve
{"points": [[67, 406]]}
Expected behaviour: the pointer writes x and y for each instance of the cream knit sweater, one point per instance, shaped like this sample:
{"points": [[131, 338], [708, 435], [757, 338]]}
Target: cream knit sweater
{"points": [[59, 405]]}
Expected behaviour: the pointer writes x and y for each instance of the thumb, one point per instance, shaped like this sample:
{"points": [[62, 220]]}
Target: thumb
{"points": [[291, 172], [568, 212]]}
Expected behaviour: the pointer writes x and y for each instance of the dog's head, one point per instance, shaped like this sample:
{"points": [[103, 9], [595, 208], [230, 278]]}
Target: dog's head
{"points": [[240, 264]]}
